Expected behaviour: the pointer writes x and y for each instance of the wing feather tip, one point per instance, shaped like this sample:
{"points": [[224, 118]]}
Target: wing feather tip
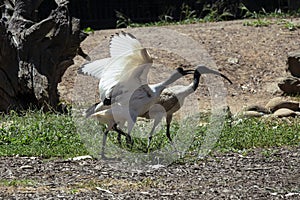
{"points": [[81, 71]]}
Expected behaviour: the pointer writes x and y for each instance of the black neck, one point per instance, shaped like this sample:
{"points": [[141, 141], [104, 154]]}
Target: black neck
{"points": [[196, 80]]}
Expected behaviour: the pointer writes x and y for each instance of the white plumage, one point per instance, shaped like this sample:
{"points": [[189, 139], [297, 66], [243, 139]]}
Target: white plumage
{"points": [[128, 59], [123, 82]]}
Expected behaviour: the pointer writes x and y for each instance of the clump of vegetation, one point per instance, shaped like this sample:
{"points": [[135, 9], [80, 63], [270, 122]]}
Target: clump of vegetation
{"points": [[251, 133], [88, 30], [258, 22], [291, 26], [225, 10], [263, 18], [218, 11], [34, 133], [123, 20], [17, 182], [187, 15]]}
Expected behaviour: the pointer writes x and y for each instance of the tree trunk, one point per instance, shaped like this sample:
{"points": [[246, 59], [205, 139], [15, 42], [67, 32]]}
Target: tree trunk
{"points": [[35, 50]]}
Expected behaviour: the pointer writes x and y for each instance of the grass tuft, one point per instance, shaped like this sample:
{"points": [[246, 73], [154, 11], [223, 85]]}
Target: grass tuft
{"points": [[17, 182], [258, 23], [263, 133], [34, 133]]}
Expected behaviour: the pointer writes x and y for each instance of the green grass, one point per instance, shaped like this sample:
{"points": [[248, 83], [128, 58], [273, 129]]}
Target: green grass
{"points": [[262, 133], [88, 30], [291, 25], [35, 133], [189, 16], [17, 182], [258, 23], [263, 21]]}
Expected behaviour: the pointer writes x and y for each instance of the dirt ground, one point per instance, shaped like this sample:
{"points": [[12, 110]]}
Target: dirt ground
{"points": [[254, 58], [261, 174]]}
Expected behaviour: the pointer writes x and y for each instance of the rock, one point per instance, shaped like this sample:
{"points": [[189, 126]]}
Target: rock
{"points": [[26, 167], [294, 63], [290, 85], [279, 102], [272, 87], [257, 108], [103, 190], [284, 112], [250, 114], [82, 157], [233, 60]]}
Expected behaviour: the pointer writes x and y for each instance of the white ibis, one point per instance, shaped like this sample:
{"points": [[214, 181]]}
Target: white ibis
{"points": [[172, 98], [123, 83]]}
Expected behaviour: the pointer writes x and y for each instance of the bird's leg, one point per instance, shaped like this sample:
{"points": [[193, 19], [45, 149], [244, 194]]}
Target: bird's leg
{"points": [[129, 140], [104, 144], [156, 112], [157, 119], [149, 142], [120, 132], [119, 139], [169, 120]]}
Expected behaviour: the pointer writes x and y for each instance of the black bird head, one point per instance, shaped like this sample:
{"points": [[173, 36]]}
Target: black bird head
{"points": [[184, 72], [196, 79]]}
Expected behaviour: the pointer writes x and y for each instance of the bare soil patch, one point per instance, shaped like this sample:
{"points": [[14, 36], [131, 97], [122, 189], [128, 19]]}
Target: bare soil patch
{"points": [[254, 58]]}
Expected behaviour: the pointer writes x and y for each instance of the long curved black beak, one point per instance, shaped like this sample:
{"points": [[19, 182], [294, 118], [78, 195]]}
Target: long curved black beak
{"points": [[223, 76], [205, 70]]}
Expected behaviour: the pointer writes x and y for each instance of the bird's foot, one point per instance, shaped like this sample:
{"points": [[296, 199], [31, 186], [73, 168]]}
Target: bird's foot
{"points": [[104, 157], [119, 139], [169, 138], [174, 146], [149, 144], [129, 141], [148, 150]]}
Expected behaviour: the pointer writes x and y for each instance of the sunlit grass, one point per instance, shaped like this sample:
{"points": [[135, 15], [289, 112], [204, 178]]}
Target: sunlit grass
{"points": [[189, 16], [258, 22], [35, 133], [265, 133], [17, 182]]}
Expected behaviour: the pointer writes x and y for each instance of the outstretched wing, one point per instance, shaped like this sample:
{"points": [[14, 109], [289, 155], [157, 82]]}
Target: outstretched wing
{"points": [[129, 64], [123, 43], [127, 72], [94, 68]]}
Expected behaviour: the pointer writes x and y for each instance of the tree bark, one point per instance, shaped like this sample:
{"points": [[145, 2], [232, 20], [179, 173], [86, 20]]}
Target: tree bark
{"points": [[35, 52]]}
